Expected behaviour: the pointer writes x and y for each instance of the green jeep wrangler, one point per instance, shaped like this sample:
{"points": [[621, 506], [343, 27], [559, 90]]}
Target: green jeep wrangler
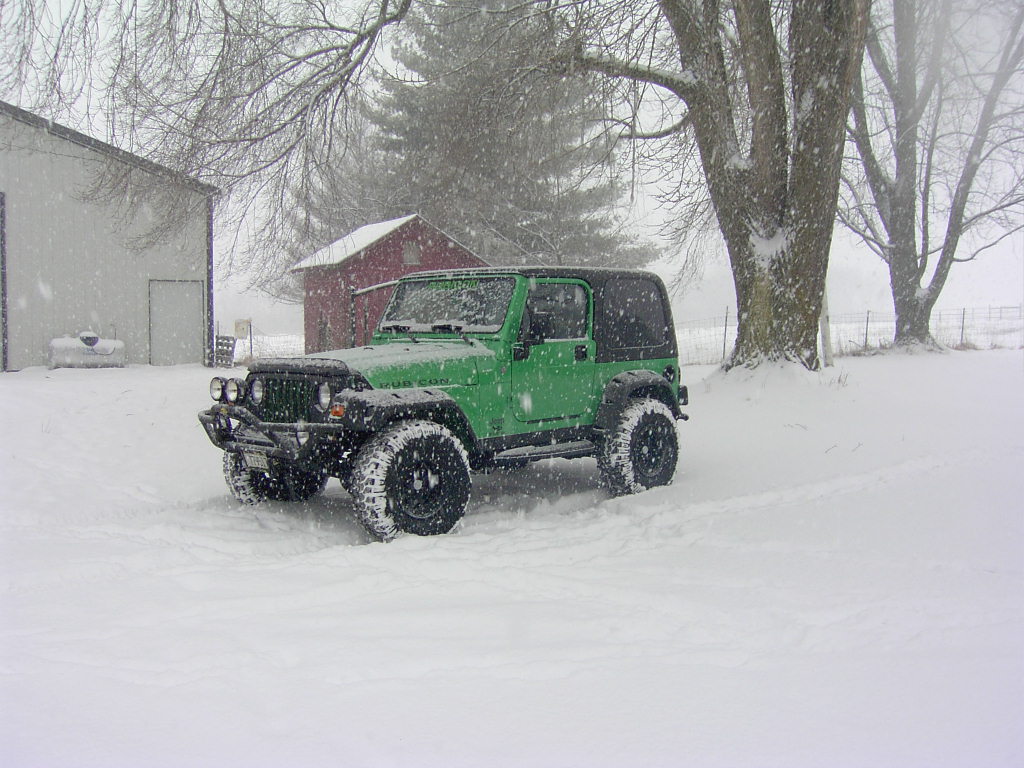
{"points": [[467, 370]]}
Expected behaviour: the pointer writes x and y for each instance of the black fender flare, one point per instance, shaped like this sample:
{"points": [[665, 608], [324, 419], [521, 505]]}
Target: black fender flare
{"points": [[372, 410], [621, 388]]}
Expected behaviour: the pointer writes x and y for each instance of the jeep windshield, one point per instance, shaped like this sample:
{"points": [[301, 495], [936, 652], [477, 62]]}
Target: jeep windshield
{"points": [[449, 305]]}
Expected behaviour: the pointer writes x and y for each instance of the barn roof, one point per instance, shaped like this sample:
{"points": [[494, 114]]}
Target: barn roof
{"points": [[353, 243]]}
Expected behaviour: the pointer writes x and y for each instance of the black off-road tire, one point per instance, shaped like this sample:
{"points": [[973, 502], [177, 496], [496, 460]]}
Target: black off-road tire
{"points": [[642, 450], [248, 486], [414, 478], [345, 478], [299, 484], [252, 486]]}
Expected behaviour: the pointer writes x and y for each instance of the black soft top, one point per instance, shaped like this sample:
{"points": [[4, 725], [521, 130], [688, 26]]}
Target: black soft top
{"points": [[607, 318], [591, 275]]}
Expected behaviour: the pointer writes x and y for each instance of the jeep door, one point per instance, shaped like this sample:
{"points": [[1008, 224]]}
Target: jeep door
{"points": [[553, 373]]}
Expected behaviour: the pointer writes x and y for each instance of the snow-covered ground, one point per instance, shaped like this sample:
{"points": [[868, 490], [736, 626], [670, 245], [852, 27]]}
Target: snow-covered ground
{"points": [[836, 578]]}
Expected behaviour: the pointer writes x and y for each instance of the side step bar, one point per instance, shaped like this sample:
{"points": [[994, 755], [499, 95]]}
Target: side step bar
{"points": [[535, 453]]}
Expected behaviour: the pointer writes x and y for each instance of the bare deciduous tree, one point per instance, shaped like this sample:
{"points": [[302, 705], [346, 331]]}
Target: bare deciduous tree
{"points": [[938, 126], [763, 89], [252, 97]]}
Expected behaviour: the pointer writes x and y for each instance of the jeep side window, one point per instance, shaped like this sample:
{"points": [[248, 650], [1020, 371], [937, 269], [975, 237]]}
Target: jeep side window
{"points": [[556, 311], [634, 315]]}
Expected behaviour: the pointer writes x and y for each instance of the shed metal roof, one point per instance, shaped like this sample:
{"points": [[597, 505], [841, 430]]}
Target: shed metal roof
{"points": [[81, 139]]}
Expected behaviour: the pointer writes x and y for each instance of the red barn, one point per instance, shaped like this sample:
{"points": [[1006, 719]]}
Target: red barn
{"points": [[348, 283]]}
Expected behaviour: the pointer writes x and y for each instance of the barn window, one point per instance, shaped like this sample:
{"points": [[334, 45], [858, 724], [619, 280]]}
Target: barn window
{"points": [[411, 253]]}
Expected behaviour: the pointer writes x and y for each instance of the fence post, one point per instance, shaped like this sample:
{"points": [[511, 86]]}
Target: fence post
{"points": [[725, 332], [825, 332], [963, 323], [867, 322], [351, 315]]}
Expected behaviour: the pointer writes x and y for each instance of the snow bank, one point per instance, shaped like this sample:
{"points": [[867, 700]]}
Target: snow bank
{"points": [[835, 578]]}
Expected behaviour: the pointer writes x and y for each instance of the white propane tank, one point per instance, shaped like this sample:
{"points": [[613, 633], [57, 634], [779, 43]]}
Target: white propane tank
{"points": [[87, 350]]}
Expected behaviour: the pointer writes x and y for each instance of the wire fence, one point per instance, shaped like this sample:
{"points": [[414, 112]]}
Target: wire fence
{"points": [[709, 341], [261, 345]]}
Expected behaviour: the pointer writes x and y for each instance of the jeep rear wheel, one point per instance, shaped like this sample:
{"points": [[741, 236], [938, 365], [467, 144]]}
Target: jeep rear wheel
{"points": [[413, 478], [641, 451]]}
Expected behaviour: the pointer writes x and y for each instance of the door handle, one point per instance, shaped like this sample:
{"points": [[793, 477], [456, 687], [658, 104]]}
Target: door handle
{"points": [[581, 352]]}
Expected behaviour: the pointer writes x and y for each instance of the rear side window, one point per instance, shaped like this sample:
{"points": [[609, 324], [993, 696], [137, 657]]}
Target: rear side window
{"points": [[634, 315]]}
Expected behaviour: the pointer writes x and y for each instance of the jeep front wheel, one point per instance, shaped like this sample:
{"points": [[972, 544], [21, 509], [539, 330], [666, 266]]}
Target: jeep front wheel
{"points": [[414, 478], [252, 486], [641, 451], [299, 484]]}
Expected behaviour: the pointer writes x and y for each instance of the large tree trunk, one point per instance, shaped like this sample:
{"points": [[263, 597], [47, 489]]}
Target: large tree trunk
{"points": [[913, 319], [776, 204], [778, 218], [904, 276]]}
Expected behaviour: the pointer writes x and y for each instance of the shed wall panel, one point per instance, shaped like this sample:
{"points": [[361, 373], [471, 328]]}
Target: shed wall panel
{"points": [[71, 260]]}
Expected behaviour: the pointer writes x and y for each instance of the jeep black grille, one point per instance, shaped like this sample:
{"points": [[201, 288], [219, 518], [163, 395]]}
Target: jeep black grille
{"points": [[287, 400]]}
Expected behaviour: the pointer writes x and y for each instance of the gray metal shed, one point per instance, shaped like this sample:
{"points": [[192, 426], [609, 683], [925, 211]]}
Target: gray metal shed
{"points": [[70, 261]]}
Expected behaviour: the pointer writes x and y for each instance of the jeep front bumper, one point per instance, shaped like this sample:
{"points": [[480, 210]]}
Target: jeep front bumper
{"points": [[236, 428]]}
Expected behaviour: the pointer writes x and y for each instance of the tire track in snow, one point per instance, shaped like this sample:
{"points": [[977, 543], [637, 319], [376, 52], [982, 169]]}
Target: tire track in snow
{"points": [[798, 494]]}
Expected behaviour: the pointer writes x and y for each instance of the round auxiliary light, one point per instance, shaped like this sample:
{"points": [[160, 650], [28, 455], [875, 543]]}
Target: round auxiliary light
{"points": [[217, 388], [323, 396], [256, 391], [234, 390]]}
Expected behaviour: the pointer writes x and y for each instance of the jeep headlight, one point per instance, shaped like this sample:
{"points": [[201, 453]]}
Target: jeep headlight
{"points": [[234, 390], [217, 388], [323, 396], [256, 391]]}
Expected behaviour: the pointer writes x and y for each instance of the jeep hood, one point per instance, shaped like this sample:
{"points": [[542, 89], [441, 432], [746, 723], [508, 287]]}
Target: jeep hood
{"points": [[420, 364]]}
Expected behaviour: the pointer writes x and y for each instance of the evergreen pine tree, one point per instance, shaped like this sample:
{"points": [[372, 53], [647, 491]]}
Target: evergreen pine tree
{"points": [[507, 157]]}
